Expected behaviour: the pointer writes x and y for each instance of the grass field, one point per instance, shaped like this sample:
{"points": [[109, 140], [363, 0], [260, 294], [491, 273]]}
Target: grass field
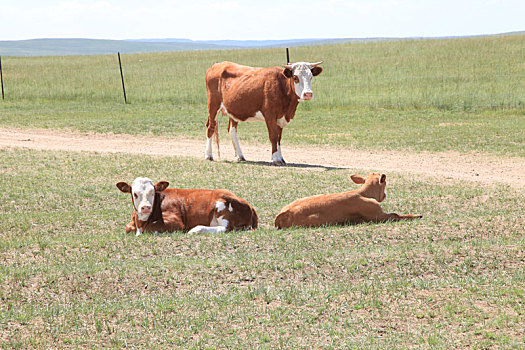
{"points": [[71, 278], [467, 93]]}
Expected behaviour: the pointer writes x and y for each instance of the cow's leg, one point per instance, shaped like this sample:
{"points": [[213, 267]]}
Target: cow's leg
{"points": [[211, 125], [280, 132], [218, 224], [371, 210], [232, 129], [274, 133]]}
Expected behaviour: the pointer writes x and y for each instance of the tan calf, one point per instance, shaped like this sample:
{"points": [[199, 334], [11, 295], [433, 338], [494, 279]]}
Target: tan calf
{"points": [[361, 205], [161, 209]]}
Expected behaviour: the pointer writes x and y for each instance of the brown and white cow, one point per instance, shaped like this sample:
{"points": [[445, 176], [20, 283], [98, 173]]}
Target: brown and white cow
{"points": [[161, 209], [245, 94], [361, 205]]}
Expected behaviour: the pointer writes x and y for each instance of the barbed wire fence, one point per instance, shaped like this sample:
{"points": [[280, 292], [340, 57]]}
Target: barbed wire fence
{"points": [[376, 90]]}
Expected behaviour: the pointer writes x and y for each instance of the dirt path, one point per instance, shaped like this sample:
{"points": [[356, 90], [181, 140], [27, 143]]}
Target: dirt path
{"points": [[482, 168]]}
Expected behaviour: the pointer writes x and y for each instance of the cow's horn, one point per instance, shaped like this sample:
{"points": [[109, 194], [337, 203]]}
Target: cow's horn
{"points": [[316, 63], [289, 66]]}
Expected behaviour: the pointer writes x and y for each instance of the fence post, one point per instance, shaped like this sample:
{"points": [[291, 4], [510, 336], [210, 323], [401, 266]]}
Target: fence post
{"points": [[122, 78], [287, 56], [2, 78]]}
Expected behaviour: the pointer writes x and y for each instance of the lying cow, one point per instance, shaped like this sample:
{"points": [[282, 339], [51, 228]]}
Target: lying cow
{"points": [[161, 209], [361, 205], [270, 95]]}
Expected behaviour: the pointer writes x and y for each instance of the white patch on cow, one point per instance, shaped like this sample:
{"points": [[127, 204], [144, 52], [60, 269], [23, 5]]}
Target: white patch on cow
{"points": [[220, 206], [138, 232], [236, 144], [257, 117], [209, 151], [222, 222], [207, 229], [143, 195], [277, 156], [217, 225], [223, 109], [230, 208], [281, 122]]}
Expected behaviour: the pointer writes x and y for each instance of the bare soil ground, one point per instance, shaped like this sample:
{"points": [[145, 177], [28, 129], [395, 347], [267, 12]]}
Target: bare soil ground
{"points": [[484, 169]]}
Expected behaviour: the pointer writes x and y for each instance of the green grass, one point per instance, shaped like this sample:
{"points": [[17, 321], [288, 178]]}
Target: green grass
{"points": [[466, 93], [71, 278]]}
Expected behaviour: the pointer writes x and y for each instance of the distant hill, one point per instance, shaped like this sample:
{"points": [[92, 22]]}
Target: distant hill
{"points": [[65, 47]]}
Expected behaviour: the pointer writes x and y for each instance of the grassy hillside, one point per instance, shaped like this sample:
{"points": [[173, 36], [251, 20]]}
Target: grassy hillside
{"points": [[468, 93]]}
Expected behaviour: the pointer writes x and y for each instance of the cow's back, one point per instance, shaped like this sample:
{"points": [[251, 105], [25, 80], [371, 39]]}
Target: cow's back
{"points": [[224, 70], [198, 207], [335, 208]]}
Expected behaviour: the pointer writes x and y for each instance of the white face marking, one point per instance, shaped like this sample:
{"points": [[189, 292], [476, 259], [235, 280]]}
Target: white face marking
{"points": [[143, 194], [230, 208], [236, 144], [220, 206], [303, 71], [281, 122]]}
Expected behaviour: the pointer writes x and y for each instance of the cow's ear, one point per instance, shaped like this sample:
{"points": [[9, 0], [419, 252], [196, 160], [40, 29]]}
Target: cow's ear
{"points": [[382, 179], [316, 71], [287, 72], [124, 187], [358, 179], [161, 186]]}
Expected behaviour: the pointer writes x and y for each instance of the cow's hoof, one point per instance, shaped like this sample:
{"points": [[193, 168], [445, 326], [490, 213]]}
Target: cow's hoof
{"points": [[210, 158], [240, 159], [279, 162]]}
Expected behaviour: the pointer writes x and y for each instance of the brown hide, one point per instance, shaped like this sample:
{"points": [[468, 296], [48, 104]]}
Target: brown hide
{"points": [[243, 91], [183, 209], [361, 205]]}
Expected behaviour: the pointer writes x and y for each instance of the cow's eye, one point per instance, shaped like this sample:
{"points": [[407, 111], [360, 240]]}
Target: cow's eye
{"points": [[296, 79], [135, 195]]}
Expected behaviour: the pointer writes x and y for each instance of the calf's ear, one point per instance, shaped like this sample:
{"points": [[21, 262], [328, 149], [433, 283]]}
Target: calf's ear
{"points": [[124, 187], [358, 179], [161, 186], [383, 178], [316, 71], [287, 72]]}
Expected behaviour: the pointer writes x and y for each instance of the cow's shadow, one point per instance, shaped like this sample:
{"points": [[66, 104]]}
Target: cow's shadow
{"points": [[288, 165]]}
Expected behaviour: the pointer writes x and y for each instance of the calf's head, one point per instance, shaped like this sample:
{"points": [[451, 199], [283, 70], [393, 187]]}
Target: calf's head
{"points": [[143, 194], [373, 186], [302, 74]]}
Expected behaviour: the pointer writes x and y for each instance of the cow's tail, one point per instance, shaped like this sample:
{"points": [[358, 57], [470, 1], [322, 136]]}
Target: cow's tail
{"points": [[216, 135]]}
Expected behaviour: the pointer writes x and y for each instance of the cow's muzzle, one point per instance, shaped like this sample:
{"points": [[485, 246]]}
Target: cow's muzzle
{"points": [[145, 209], [308, 96]]}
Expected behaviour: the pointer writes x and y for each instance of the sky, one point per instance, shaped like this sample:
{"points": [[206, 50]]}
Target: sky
{"points": [[256, 20]]}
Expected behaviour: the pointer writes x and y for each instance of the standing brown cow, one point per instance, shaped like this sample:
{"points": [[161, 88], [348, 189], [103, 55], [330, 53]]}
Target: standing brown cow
{"points": [[257, 94]]}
